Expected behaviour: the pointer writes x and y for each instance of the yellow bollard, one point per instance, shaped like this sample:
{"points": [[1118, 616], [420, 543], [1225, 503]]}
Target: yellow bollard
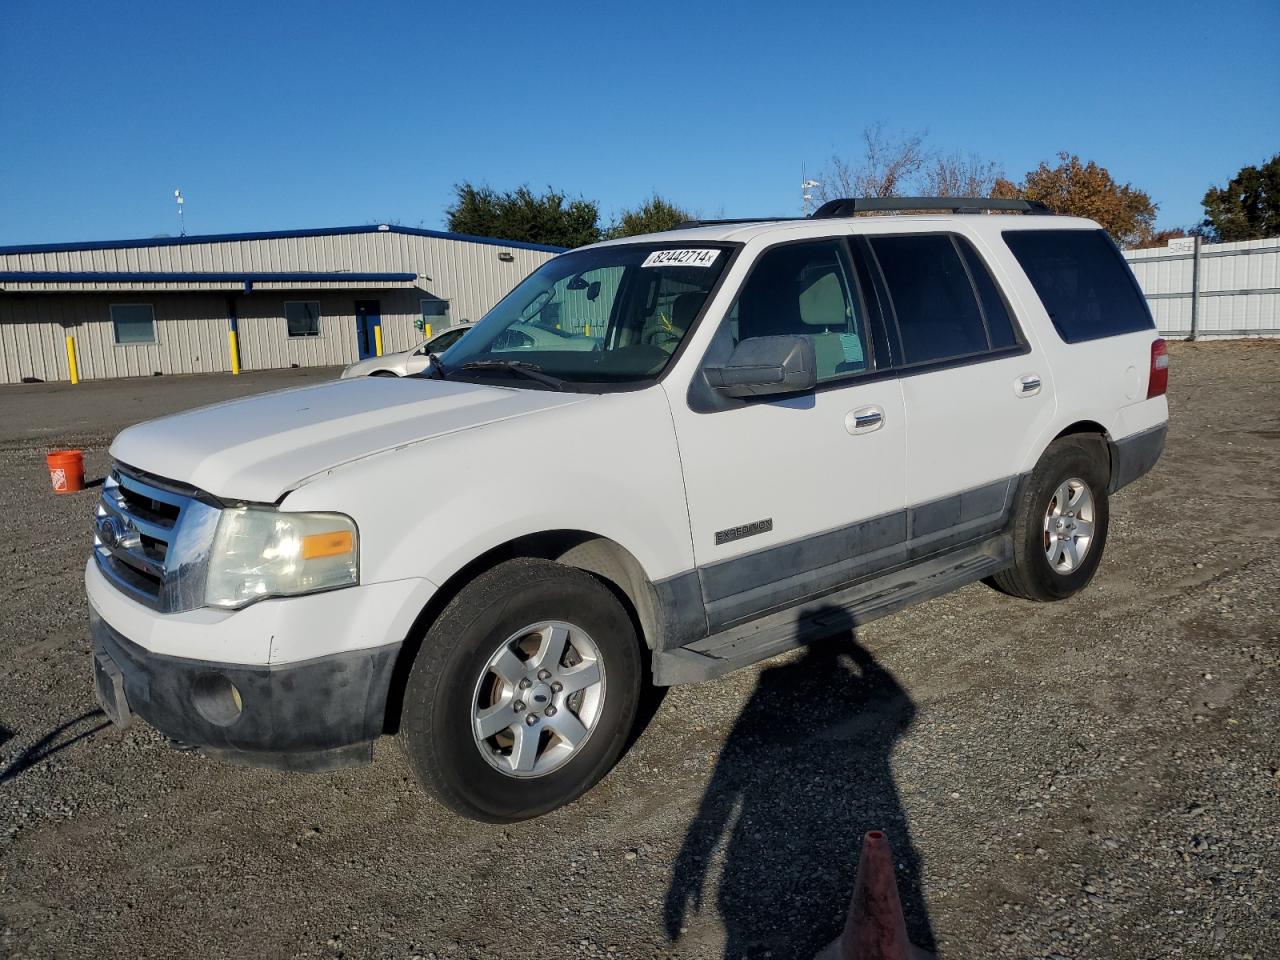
{"points": [[234, 346], [426, 330], [72, 367], [587, 330], [377, 339]]}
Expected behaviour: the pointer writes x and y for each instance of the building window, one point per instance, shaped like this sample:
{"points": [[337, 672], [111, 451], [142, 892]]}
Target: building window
{"points": [[436, 313], [302, 317], [133, 322]]}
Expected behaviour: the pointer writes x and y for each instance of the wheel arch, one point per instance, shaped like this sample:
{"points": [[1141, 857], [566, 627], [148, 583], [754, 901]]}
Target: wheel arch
{"points": [[605, 559], [1091, 429], [1085, 429]]}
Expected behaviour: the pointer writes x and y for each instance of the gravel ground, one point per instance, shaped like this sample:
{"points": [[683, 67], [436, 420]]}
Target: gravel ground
{"points": [[1096, 778]]}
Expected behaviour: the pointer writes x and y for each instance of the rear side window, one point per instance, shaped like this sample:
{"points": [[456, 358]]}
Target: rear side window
{"points": [[999, 323], [1083, 282], [934, 302]]}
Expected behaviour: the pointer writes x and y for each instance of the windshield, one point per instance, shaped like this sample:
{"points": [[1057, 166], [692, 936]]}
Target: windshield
{"points": [[604, 315]]}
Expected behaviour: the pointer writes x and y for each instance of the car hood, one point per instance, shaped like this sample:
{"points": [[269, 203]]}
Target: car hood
{"points": [[259, 448]]}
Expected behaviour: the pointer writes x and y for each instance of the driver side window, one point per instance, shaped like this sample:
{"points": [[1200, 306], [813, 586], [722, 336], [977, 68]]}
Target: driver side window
{"points": [[806, 289]]}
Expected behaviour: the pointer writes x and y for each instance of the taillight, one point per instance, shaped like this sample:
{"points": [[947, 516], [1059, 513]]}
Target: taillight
{"points": [[1158, 382]]}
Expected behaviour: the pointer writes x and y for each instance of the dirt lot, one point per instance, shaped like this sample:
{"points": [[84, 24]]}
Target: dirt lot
{"points": [[1090, 779]]}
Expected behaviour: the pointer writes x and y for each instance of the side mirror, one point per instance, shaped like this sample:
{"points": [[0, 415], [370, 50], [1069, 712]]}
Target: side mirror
{"points": [[763, 366]]}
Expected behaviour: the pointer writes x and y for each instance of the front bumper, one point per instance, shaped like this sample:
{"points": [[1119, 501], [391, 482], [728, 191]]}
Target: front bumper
{"points": [[314, 714]]}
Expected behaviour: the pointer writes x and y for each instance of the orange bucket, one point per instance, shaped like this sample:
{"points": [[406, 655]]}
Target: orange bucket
{"points": [[66, 470]]}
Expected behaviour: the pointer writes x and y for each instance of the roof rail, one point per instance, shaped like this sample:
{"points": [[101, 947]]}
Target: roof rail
{"points": [[688, 224], [848, 206]]}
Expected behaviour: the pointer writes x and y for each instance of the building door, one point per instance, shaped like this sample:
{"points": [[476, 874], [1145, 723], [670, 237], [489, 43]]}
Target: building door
{"points": [[368, 316]]}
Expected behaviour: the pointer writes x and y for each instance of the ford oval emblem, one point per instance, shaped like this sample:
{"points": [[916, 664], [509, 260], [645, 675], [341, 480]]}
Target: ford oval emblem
{"points": [[108, 533]]}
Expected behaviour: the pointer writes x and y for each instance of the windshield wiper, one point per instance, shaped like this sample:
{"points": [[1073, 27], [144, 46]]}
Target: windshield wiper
{"points": [[522, 368]]}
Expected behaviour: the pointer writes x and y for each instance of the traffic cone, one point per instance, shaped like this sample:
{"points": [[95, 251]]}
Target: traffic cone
{"points": [[876, 928]]}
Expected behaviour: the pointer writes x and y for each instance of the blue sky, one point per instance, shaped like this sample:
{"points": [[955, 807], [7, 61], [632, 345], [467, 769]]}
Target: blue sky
{"points": [[277, 115]]}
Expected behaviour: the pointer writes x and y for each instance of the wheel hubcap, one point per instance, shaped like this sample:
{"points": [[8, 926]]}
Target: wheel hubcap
{"points": [[538, 699], [1068, 525]]}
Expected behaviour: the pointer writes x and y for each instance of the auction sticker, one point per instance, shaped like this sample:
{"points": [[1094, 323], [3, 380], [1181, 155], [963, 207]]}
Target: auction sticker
{"points": [[681, 258]]}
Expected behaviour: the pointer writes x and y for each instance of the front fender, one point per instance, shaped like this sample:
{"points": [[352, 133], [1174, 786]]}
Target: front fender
{"points": [[608, 466]]}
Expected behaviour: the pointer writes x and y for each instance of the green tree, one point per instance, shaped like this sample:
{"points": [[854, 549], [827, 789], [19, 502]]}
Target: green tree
{"points": [[1248, 207], [519, 214], [653, 216], [1087, 190]]}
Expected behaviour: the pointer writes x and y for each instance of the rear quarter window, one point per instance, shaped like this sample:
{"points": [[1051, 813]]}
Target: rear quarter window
{"points": [[1083, 281]]}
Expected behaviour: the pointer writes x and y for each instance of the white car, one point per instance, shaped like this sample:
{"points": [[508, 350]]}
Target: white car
{"points": [[752, 431], [406, 363]]}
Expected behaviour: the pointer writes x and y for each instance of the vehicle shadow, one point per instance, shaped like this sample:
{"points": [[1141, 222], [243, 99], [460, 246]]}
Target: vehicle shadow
{"points": [[804, 773], [47, 745]]}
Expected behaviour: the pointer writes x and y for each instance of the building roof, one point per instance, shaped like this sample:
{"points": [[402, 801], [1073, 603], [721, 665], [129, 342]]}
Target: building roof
{"points": [[272, 235], [248, 278]]}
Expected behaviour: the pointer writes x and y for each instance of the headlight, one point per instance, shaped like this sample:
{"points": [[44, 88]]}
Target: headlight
{"points": [[259, 552]]}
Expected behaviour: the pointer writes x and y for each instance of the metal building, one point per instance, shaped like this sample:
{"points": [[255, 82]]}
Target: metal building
{"points": [[1214, 290], [293, 298]]}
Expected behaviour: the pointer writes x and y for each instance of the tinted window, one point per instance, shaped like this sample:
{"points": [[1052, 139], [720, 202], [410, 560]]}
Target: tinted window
{"points": [[933, 300], [302, 318], [999, 324], [805, 289], [446, 340], [1083, 282], [133, 323]]}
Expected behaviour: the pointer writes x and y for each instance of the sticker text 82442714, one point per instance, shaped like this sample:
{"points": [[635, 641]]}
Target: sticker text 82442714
{"points": [[681, 258]]}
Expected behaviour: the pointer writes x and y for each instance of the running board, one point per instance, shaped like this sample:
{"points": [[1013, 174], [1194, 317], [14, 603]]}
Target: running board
{"points": [[845, 609]]}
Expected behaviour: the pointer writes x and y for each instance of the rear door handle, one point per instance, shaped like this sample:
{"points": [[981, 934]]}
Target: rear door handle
{"points": [[1028, 385], [864, 419]]}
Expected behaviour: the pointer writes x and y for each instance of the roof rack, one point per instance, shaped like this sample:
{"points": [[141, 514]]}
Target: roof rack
{"points": [[848, 206], [687, 224]]}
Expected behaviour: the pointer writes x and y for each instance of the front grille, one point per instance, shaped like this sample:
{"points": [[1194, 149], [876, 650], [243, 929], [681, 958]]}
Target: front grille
{"points": [[138, 525]]}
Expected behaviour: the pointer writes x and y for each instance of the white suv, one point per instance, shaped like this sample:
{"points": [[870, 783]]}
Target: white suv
{"points": [[721, 437]]}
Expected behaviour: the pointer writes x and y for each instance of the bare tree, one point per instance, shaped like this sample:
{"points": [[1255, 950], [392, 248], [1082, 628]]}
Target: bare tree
{"points": [[902, 164], [960, 175], [889, 165]]}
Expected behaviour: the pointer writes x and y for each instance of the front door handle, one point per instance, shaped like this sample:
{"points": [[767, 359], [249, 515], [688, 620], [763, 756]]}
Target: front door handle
{"points": [[864, 419]]}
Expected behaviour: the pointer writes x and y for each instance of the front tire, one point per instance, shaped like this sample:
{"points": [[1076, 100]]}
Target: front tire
{"points": [[524, 692], [1060, 527]]}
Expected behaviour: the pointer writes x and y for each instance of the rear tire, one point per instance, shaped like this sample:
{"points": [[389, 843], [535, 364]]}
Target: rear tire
{"points": [[497, 724], [1060, 526]]}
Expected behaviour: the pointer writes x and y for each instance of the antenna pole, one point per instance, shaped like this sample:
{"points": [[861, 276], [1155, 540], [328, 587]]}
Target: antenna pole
{"points": [[182, 229], [806, 185]]}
